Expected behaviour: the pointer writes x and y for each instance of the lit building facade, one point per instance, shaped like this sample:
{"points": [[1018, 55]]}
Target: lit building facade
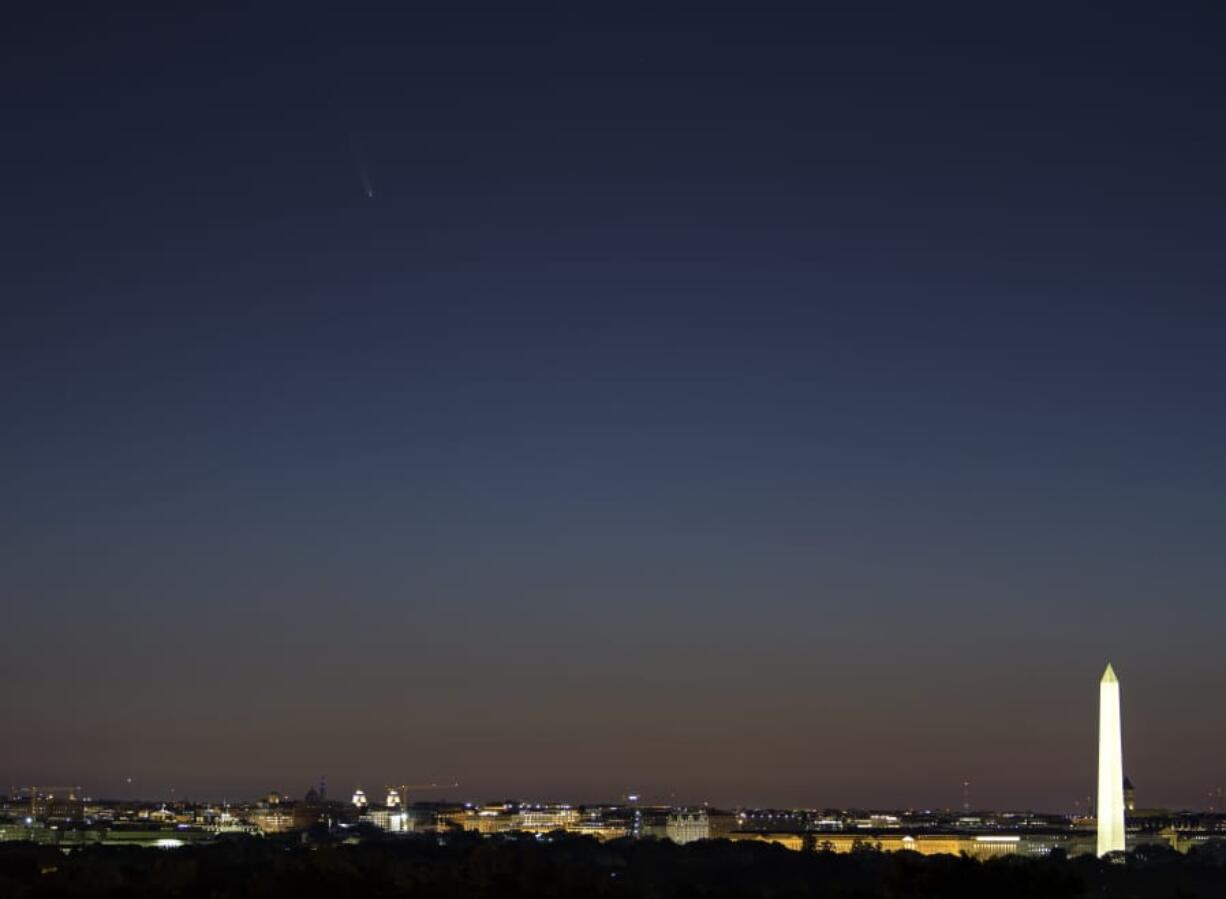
{"points": [[388, 819], [980, 846], [273, 819], [544, 818], [688, 827]]}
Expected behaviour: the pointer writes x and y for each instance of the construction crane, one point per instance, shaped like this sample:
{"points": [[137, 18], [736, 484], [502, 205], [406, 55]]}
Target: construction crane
{"points": [[402, 790]]}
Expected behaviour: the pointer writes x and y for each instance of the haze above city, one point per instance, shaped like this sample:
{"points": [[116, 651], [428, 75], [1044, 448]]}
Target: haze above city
{"points": [[798, 408]]}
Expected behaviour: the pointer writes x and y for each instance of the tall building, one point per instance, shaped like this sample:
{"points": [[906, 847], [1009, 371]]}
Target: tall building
{"points": [[1110, 766]]}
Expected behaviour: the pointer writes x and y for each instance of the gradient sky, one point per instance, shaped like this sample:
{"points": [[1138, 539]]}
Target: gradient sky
{"points": [[797, 405]]}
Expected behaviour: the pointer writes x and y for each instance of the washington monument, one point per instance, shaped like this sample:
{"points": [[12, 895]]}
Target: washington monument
{"points": [[1110, 766]]}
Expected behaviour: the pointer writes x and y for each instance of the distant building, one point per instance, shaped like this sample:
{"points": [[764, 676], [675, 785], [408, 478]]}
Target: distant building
{"points": [[651, 823], [419, 819], [359, 799], [508, 816], [688, 826], [596, 824], [1130, 796], [14, 831], [975, 846], [273, 819], [312, 809], [390, 820], [487, 819], [544, 818], [56, 804]]}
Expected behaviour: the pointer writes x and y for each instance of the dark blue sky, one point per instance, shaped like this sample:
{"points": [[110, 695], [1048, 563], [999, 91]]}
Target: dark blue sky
{"points": [[795, 405]]}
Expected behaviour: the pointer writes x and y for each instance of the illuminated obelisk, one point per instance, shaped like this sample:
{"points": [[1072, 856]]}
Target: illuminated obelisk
{"points": [[1110, 767]]}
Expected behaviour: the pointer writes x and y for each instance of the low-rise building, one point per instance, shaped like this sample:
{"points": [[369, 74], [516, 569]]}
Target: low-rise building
{"points": [[979, 846], [688, 826]]}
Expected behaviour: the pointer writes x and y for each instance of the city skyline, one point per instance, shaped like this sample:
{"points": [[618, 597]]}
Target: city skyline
{"points": [[777, 406], [1112, 782]]}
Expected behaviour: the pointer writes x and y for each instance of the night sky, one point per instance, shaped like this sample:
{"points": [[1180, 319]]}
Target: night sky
{"points": [[753, 403]]}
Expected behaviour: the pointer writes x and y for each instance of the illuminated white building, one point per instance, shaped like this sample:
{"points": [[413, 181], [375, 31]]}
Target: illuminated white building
{"points": [[359, 799], [1110, 766], [688, 827], [385, 819], [393, 798], [544, 818]]}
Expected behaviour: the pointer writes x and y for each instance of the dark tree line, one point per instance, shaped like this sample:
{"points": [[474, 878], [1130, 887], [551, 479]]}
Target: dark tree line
{"points": [[564, 866]]}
